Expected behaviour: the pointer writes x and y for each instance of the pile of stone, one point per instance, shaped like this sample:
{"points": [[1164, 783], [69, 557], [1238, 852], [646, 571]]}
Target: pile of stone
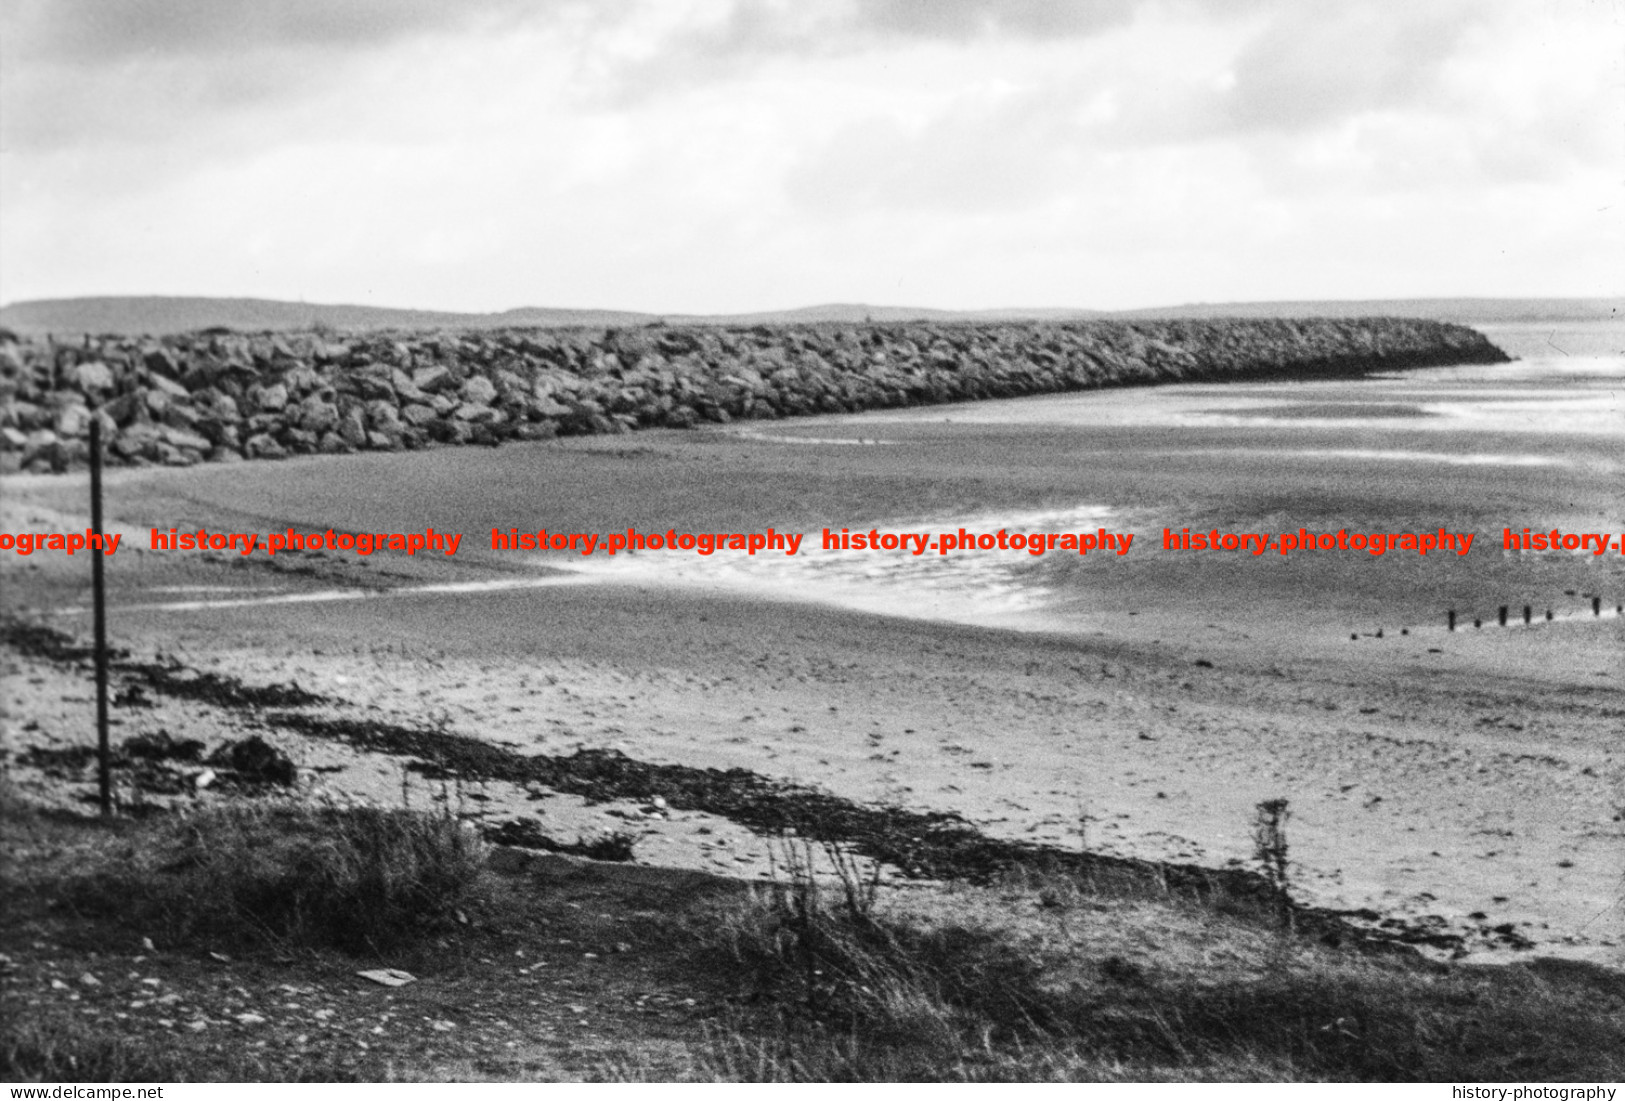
{"points": [[221, 396]]}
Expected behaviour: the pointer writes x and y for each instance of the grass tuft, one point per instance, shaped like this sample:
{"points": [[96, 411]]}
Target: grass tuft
{"points": [[999, 985], [358, 879]]}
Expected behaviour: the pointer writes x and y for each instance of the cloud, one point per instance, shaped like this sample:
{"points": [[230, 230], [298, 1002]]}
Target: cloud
{"points": [[76, 72], [959, 20], [98, 32], [492, 153], [1313, 65]]}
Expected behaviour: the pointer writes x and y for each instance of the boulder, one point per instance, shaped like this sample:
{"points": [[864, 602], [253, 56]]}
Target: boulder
{"points": [[72, 421], [263, 446], [476, 414], [93, 377], [373, 385], [353, 427], [185, 439], [269, 399], [161, 362], [432, 380], [168, 387], [138, 440], [680, 416], [418, 415], [536, 430], [302, 380], [300, 440], [478, 390], [216, 405], [404, 387], [318, 416], [255, 761], [451, 431], [382, 415], [170, 455], [181, 415]]}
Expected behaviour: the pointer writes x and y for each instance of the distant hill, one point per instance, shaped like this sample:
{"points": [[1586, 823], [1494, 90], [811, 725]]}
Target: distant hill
{"points": [[161, 315], [156, 315], [1463, 311]]}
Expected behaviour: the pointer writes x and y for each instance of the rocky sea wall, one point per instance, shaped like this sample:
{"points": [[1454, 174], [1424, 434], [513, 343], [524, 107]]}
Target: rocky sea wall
{"points": [[218, 396]]}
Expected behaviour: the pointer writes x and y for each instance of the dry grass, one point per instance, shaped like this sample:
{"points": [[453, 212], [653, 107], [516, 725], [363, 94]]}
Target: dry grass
{"points": [[1047, 981], [824, 976], [364, 880]]}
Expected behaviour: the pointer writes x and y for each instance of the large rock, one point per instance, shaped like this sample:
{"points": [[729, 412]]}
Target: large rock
{"points": [[269, 399], [478, 390], [138, 440], [72, 421], [301, 441], [404, 387], [182, 438], [181, 415], [418, 415], [383, 416], [263, 446], [353, 427], [216, 405], [93, 377], [432, 380], [477, 414], [160, 361], [318, 416], [373, 384], [168, 387], [170, 455], [302, 380]]}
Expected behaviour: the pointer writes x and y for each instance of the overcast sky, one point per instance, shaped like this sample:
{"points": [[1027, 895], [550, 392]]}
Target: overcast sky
{"points": [[734, 155]]}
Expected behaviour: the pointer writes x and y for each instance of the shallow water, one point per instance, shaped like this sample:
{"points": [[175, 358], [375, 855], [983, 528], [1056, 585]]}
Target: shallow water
{"points": [[1556, 418]]}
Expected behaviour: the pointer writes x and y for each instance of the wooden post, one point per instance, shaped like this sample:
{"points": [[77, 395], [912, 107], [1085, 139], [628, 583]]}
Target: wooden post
{"points": [[1452, 619], [1502, 615], [1596, 605], [104, 773], [1527, 612]]}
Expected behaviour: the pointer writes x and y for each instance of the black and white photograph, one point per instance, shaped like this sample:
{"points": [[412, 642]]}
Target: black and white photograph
{"points": [[658, 542]]}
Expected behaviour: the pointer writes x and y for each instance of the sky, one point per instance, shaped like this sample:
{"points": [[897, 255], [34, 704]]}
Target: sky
{"points": [[720, 156]]}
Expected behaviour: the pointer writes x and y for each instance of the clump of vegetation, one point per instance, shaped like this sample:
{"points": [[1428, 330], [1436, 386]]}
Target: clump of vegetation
{"points": [[1033, 981], [360, 879]]}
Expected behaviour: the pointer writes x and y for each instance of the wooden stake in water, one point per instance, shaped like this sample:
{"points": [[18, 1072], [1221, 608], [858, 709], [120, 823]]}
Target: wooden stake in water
{"points": [[99, 598]]}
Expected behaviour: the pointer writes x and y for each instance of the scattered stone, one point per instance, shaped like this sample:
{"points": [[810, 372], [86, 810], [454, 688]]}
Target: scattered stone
{"points": [[256, 761], [383, 976]]}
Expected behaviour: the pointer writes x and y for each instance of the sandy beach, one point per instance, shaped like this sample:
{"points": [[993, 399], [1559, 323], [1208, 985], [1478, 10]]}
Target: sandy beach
{"points": [[1141, 705]]}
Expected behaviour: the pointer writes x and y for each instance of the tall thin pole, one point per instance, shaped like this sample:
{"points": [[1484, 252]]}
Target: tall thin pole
{"points": [[99, 587]]}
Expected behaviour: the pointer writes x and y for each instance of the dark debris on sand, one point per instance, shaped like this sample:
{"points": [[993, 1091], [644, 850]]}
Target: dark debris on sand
{"points": [[919, 844]]}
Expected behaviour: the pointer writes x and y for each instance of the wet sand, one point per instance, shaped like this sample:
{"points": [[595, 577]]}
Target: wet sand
{"points": [[1477, 776]]}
